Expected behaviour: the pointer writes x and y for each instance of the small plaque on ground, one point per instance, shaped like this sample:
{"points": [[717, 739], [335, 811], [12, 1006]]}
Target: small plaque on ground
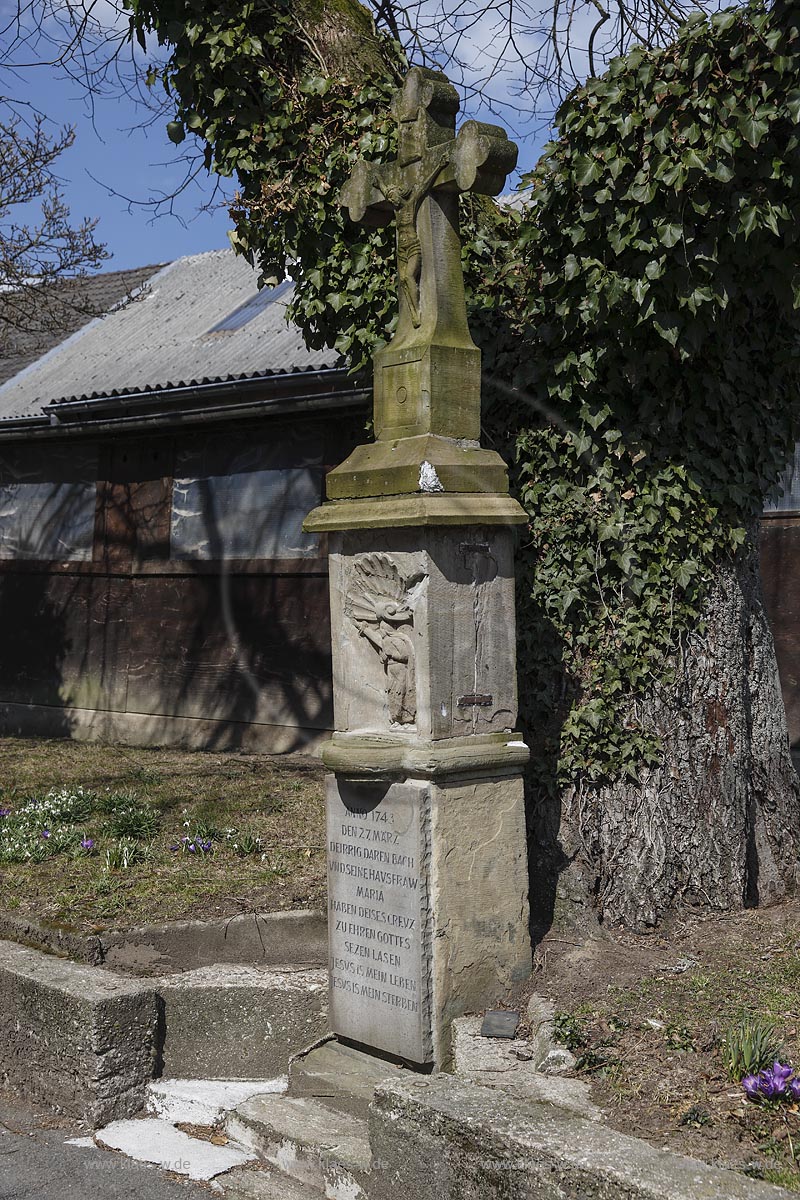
{"points": [[377, 907], [500, 1023]]}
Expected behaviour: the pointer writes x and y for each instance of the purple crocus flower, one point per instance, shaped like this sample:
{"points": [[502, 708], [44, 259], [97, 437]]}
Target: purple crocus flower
{"points": [[5, 812], [87, 843], [45, 834], [775, 1080], [774, 1083]]}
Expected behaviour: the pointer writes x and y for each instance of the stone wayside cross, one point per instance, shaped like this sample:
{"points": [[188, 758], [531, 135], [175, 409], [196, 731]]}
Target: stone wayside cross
{"points": [[427, 877]]}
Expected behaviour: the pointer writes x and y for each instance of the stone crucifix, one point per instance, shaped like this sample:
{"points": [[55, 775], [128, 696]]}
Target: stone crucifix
{"points": [[427, 873], [432, 365]]}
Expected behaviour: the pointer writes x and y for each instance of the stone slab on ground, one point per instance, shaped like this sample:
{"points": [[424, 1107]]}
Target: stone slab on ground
{"points": [[154, 1141], [340, 1076], [253, 1183], [239, 1022], [511, 1064], [203, 1101], [75, 1038], [310, 1142], [297, 938], [440, 1138]]}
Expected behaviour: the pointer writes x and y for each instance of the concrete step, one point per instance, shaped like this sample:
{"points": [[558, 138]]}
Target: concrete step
{"points": [[239, 1022], [264, 1183], [341, 1077], [203, 1101], [312, 1143]]}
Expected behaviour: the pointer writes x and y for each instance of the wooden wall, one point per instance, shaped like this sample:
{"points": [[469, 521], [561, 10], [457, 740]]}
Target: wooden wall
{"points": [[133, 639], [127, 636]]}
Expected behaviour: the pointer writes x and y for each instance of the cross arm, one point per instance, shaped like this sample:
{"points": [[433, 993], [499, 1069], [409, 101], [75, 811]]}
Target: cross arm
{"points": [[482, 158], [363, 198]]}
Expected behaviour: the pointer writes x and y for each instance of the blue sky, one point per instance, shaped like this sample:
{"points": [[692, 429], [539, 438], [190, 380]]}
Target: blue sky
{"points": [[115, 168], [110, 155]]}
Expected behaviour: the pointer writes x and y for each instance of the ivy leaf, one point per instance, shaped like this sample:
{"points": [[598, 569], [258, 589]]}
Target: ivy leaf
{"points": [[748, 220], [752, 130], [668, 327], [670, 235], [587, 170], [684, 572]]}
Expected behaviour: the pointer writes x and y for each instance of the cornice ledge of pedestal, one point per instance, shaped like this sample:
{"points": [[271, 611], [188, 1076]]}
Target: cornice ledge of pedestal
{"points": [[375, 756], [420, 509], [394, 468]]}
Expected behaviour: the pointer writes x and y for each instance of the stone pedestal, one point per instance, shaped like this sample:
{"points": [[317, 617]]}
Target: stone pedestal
{"points": [[427, 905], [427, 865]]}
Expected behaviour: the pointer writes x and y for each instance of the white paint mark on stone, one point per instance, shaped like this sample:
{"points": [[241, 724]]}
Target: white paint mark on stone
{"points": [[204, 1101], [154, 1141], [429, 481], [342, 1187], [87, 1143]]}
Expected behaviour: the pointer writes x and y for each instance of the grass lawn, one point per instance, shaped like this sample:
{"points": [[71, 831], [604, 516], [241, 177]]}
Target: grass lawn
{"points": [[101, 837]]}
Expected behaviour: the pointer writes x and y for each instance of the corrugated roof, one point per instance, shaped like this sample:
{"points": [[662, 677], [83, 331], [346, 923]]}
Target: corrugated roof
{"points": [[164, 338], [32, 324]]}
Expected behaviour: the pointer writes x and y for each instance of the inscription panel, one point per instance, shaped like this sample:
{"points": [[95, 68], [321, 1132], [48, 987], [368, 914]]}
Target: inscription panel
{"points": [[377, 916]]}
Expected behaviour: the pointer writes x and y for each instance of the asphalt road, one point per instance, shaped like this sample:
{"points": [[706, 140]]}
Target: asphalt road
{"points": [[35, 1164]]}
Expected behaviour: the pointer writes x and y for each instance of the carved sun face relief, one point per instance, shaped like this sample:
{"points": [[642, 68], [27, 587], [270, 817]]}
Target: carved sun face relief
{"points": [[378, 603]]}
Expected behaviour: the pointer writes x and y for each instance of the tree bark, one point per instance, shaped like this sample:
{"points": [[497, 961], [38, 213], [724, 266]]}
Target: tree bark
{"points": [[341, 38], [717, 825]]}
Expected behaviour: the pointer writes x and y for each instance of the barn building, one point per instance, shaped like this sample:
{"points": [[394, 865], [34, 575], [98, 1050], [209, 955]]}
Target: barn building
{"points": [[155, 468]]}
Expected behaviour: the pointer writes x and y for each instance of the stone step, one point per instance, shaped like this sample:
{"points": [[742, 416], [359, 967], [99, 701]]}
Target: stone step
{"points": [[341, 1077], [239, 1022], [264, 1183], [75, 1038], [312, 1143], [203, 1101]]}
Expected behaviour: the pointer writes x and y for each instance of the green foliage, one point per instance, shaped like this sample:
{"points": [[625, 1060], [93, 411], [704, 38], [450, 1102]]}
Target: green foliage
{"points": [[570, 1031], [123, 854], [638, 319], [648, 377], [750, 1046], [39, 827], [248, 82], [244, 843], [129, 818]]}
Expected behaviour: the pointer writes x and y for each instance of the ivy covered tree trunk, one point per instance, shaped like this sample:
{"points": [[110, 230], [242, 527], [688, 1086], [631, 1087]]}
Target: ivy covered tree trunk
{"points": [[717, 824]]}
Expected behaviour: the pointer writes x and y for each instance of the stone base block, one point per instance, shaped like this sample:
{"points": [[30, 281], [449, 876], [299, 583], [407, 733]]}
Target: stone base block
{"points": [[310, 1143], [237, 1022], [75, 1038], [428, 908]]}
